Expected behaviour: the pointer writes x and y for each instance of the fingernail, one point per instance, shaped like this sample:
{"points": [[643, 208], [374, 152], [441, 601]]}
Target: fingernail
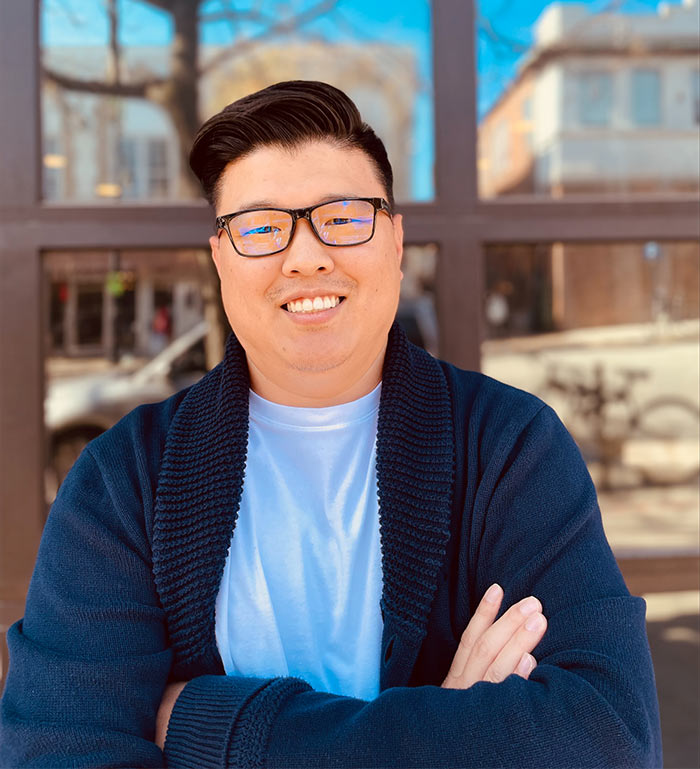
{"points": [[493, 594], [536, 622], [526, 665], [529, 605]]}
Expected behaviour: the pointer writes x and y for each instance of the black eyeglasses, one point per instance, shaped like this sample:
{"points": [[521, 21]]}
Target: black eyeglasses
{"points": [[267, 231]]}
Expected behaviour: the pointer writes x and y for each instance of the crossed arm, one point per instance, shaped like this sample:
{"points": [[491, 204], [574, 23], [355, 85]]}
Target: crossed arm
{"points": [[489, 650]]}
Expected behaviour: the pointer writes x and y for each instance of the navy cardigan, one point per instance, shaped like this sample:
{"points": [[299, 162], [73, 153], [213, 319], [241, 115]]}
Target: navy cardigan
{"points": [[477, 483]]}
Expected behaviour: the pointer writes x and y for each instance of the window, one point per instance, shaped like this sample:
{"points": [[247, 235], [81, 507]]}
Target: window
{"points": [[646, 97], [158, 171], [127, 168], [595, 98]]}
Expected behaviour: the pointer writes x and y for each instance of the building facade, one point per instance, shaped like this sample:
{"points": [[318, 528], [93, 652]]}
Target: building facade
{"points": [[603, 104]]}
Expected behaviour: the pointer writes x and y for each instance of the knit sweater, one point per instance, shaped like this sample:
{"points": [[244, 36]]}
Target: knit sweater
{"points": [[477, 483]]}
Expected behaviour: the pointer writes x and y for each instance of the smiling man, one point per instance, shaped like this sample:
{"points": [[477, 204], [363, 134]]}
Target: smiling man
{"points": [[333, 550]]}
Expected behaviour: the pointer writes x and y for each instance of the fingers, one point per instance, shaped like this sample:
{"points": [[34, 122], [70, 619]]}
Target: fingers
{"points": [[510, 637], [483, 618], [515, 656], [526, 665], [491, 650]]}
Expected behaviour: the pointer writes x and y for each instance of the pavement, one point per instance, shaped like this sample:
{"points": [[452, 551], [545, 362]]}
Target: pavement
{"points": [[655, 533]]}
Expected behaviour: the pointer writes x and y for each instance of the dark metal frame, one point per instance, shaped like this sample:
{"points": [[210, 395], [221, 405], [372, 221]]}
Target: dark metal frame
{"points": [[457, 221]]}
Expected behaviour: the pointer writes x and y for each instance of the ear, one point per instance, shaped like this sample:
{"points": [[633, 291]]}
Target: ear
{"points": [[397, 221], [215, 253]]}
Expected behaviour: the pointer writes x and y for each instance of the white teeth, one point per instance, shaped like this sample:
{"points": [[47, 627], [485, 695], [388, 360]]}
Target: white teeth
{"points": [[313, 305]]}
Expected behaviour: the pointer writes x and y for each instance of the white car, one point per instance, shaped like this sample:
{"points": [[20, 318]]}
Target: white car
{"points": [[78, 409]]}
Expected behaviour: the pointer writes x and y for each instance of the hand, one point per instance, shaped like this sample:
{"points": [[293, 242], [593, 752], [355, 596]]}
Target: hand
{"points": [[491, 651], [172, 692]]}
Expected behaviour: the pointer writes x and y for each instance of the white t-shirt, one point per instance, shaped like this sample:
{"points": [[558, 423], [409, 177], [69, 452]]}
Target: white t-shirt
{"points": [[303, 577]]}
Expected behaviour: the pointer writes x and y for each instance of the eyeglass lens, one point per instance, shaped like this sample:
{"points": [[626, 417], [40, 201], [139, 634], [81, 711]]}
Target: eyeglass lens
{"points": [[339, 223]]}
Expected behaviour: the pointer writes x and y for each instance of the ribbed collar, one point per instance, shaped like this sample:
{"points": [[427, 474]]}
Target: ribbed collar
{"points": [[201, 481]]}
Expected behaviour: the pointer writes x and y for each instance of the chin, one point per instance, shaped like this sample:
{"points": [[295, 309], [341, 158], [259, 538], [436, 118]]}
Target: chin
{"points": [[316, 362]]}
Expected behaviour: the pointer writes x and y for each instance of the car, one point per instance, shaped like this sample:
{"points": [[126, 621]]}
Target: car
{"points": [[79, 408]]}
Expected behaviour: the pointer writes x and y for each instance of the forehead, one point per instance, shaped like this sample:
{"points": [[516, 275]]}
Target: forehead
{"points": [[296, 177]]}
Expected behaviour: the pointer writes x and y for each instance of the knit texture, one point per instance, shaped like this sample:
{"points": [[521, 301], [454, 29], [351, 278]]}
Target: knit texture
{"points": [[201, 482], [414, 480], [199, 494]]}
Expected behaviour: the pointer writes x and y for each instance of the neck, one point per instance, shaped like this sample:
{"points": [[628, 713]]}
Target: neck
{"points": [[316, 389]]}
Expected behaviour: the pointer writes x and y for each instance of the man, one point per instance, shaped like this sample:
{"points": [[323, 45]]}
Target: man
{"points": [[334, 550]]}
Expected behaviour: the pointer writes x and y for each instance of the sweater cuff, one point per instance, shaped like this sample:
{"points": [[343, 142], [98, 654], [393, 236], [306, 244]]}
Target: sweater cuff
{"points": [[225, 721]]}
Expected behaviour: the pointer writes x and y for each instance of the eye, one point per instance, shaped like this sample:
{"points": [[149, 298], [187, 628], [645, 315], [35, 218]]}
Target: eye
{"points": [[263, 230], [340, 220]]}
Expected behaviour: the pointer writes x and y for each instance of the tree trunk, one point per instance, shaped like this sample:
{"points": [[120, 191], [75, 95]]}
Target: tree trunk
{"points": [[179, 97]]}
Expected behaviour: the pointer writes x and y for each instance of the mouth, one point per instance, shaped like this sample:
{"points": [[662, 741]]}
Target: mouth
{"points": [[310, 305]]}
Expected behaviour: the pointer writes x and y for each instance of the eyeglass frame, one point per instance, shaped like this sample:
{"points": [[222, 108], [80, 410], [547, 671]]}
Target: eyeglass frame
{"points": [[379, 204]]}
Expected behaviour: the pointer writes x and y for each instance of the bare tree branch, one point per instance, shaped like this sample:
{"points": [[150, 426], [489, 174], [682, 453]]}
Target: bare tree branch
{"points": [[135, 90], [281, 27], [114, 49]]}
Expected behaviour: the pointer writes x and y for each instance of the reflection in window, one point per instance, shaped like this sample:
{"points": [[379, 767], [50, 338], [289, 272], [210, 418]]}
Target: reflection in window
{"points": [[608, 335], [104, 304], [89, 315], [416, 312], [595, 75], [158, 168], [595, 98], [500, 149], [646, 97], [54, 164], [125, 117], [128, 168]]}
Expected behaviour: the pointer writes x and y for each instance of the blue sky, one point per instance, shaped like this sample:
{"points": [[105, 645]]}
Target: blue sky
{"points": [[504, 32]]}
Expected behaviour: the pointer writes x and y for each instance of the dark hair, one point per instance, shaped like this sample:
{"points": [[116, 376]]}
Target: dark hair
{"points": [[285, 114]]}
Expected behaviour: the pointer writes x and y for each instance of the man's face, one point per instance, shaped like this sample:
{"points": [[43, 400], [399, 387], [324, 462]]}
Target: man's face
{"points": [[309, 352]]}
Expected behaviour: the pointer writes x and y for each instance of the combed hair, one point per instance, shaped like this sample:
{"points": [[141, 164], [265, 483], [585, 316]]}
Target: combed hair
{"points": [[285, 114]]}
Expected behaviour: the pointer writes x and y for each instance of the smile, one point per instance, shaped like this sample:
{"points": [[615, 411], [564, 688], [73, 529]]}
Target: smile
{"points": [[317, 304]]}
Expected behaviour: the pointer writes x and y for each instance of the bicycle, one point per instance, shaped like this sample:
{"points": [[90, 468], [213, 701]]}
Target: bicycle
{"points": [[653, 443]]}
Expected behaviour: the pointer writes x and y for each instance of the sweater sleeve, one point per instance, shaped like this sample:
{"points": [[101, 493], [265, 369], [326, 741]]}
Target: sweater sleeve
{"points": [[534, 526], [89, 662]]}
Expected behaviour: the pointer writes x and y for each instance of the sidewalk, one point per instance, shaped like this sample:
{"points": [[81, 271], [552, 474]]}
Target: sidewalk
{"points": [[655, 535]]}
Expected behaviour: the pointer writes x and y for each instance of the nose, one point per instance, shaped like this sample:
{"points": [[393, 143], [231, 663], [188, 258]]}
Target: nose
{"points": [[306, 255]]}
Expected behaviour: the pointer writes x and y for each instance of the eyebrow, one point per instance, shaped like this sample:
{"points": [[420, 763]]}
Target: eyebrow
{"points": [[324, 199]]}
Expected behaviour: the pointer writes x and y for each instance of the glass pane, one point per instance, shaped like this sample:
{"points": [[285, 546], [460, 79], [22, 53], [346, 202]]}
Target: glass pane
{"points": [[122, 328], [608, 334], [646, 97], [588, 97], [120, 107], [417, 314], [130, 327]]}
